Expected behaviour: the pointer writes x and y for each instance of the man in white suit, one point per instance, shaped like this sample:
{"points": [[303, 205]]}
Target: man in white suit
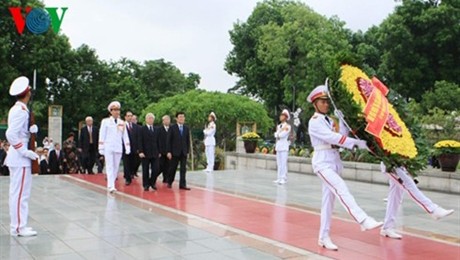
{"points": [[19, 158], [282, 146], [210, 141], [112, 135]]}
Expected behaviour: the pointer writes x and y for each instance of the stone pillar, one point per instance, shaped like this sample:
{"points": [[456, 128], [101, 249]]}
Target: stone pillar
{"points": [[55, 123]]}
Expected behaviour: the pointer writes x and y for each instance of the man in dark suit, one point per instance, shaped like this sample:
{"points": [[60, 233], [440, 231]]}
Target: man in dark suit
{"points": [[149, 153], [88, 144], [178, 148], [129, 160], [56, 160], [163, 147]]}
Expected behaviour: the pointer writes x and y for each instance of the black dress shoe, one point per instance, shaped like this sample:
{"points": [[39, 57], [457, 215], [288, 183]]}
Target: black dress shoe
{"points": [[154, 187], [184, 188], [146, 188], [128, 182], [169, 186]]}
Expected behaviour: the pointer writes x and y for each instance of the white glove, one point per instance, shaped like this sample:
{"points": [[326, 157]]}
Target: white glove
{"points": [[338, 114], [101, 151], [383, 168], [31, 155], [33, 129], [361, 144], [128, 151]]}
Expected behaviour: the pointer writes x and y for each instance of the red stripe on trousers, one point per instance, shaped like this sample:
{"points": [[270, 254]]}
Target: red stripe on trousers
{"points": [[19, 198], [410, 193], [341, 199]]}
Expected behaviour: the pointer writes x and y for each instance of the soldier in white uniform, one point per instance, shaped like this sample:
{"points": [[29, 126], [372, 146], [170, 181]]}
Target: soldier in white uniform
{"points": [[210, 141], [400, 180], [328, 166], [282, 147], [112, 134], [19, 158]]}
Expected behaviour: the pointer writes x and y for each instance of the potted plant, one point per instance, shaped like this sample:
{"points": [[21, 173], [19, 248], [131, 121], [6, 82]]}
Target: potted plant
{"points": [[219, 159], [448, 153], [250, 141]]}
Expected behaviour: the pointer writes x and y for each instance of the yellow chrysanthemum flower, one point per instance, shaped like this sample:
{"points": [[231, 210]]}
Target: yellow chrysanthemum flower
{"points": [[403, 143], [447, 143]]}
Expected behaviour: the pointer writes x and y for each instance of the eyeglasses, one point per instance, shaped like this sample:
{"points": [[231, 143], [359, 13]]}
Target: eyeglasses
{"points": [[115, 109]]}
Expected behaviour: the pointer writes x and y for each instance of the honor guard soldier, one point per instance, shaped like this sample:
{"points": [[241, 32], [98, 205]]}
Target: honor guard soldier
{"points": [[19, 158], [328, 166], [282, 146], [210, 141], [400, 180], [112, 135]]}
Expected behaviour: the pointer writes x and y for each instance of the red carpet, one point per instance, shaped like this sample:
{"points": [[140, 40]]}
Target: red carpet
{"points": [[287, 225]]}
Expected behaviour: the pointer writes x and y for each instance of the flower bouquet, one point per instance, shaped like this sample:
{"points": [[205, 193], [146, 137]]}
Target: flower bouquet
{"points": [[371, 117]]}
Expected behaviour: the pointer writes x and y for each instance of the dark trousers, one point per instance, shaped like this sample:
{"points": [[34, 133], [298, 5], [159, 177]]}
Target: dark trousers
{"points": [[149, 172], [183, 168], [100, 163], [89, 158], [164, 167], [128, 165]]}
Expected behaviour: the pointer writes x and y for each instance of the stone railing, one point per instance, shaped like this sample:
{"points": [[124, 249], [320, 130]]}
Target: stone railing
{"points": [[429, 179]]}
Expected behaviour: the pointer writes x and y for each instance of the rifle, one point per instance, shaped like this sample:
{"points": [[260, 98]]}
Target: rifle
{"points": [[33, 137]]}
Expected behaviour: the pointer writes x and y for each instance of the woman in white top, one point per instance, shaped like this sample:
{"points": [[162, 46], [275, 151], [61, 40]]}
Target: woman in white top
{"points": [[210, 141], [282, 146]]}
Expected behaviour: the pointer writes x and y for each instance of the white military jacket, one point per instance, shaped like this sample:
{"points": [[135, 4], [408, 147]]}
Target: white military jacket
{"points": [[323, 136], [209, 133], [112, 135], [282, 134], [18, 135]]}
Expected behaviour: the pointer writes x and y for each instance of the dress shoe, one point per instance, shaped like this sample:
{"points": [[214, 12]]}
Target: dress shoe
{"points": [[370, 223], [146, 188], [154, 187], [128, 182], [439, 213], [276, 181], [24, 233], [327, 243], [281, 182], [112, 190], [169, 186], [184, 188], [391, 233]]}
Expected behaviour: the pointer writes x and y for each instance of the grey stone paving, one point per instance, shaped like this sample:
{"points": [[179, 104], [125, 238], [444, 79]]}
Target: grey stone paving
{"points": [[77, 223]]}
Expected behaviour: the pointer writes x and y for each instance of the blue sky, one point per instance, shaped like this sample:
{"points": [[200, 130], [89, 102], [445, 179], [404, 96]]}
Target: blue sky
{"points": [[192, 34]]}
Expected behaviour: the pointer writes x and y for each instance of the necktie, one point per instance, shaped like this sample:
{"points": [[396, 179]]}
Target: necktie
{"points": [[150, 128], [90, 130], [115, 120], [181, 129], [327, 119], [57, 155]]}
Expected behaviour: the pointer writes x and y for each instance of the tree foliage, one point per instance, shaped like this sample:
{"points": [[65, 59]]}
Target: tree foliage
{"points": [[415, 46], [77, 79], [229, 108], [445, 96], [285, 46]]}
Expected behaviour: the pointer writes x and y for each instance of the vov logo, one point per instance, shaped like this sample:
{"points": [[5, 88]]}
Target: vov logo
{"points": [[37, 20]]}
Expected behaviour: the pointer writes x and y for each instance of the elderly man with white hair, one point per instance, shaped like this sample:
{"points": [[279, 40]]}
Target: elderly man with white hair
{"points": [[149, 152], [88, 144], [111, 137]]}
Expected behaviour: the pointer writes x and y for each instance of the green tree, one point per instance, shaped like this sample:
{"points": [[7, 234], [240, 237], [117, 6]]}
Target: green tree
{"points": [[229, 108], [445, 96], [283, 47], [418, 45]]}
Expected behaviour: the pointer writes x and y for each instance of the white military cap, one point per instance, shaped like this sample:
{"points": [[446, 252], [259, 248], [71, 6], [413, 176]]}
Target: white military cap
{"points": [[213, 115], [20, 86], [319, 92], [114, 104], [286, 113]]}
